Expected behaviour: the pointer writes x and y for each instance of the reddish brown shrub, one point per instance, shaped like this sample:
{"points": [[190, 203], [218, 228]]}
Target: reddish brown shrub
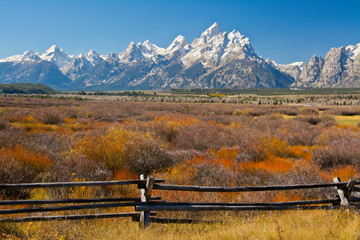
{"points": [[309, 111], [204, 136], [341, 152], [19, 165], [314, 119], [50, 116], [4, 124]]}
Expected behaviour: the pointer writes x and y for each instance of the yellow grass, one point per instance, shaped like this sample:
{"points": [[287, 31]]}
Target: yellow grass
{"points": [[348, 120], [288, 117], [267, 225]]}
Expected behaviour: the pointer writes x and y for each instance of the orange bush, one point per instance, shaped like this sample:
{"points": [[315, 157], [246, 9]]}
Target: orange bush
{"points": [[301, 152], [343, 172], [20, 165], [276, 147], [271, 164], [286, 196], [37, 161], [124, 174], [120, 148], [225, 153]]}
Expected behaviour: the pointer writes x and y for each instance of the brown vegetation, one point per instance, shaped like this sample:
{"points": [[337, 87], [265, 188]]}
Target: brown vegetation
{"points": [[186, 143]]}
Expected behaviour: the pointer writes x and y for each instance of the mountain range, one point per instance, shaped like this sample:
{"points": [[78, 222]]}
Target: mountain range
{"points": [[214, 60]]}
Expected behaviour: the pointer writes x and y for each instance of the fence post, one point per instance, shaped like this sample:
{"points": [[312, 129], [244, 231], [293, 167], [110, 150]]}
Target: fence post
{"points": [[349, 188], [145, 197], [343, 193]]}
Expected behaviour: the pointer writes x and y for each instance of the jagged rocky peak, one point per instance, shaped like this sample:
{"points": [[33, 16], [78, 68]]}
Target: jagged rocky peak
{"points": [[131, 54], [81, 63], [56, 56], [112, 59], [315, 60], [93, 57], [149, 49], [237, 45], [216, 48], [213, 30], [52, 49], [333, 68], [237, 38], [178, 48], [112, 56], [310, 72], [178, 42], [30, 55]]}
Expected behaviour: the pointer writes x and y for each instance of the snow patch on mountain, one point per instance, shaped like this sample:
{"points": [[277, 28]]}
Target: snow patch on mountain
{"points": [[26, 56], [148, 49]]}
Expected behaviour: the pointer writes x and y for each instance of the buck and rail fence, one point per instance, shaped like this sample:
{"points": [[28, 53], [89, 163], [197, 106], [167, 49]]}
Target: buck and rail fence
{"points": [[146, 206]]}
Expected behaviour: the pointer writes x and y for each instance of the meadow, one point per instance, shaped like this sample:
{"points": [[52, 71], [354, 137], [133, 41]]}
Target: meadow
{"points": [[211, 143]]}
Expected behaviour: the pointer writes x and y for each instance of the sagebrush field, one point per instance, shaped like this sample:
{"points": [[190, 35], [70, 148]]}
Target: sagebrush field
{"points": [[217, 144]]}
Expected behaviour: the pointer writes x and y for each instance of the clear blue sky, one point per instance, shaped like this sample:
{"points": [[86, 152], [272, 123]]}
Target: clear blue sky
{"points": [[285, 31]]}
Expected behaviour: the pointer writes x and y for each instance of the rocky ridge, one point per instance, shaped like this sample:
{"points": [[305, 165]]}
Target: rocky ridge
{"points": [[214, 60]]}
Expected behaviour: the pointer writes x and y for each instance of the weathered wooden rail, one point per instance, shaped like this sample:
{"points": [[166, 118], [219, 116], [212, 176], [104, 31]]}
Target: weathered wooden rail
{"points": [[146, 206]]}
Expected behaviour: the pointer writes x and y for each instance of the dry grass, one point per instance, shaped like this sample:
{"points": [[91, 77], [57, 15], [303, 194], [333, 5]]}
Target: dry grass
{"points": [[267, 225], [348, 120]]}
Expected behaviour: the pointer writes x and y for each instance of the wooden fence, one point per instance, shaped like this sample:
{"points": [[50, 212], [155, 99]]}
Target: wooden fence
{"points": [[146, 205]]}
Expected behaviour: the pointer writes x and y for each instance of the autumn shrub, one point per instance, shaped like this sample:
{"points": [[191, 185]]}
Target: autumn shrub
{"points": [[339, 152], [315, 119], [309, 111], [213, 175], [204, 136], [343, 172], [48, 144], [71, 166], [298, 132], [19, 165], [332, 134], [4, 124], [257, 112], [166, 127], [50, 116], [16, 114], [119, 148], [289, 111], [346, 111], [148, 156]]}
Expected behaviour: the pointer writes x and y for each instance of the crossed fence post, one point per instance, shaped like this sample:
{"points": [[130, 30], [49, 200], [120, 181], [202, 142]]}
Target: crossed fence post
{"points": [[146, 197]]}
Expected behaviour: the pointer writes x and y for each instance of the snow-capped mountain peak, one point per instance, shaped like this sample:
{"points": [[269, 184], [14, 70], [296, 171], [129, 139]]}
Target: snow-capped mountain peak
{"points": [[56, 56], [26, 56], [30, 55], [236, 38], [52, 49], [131, 54], [149, 49], [93, 57], [216, 48], [178, 42], [213, 30]]}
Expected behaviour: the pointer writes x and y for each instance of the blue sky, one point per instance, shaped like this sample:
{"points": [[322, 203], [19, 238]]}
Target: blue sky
{"points": [[285, 31]]}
